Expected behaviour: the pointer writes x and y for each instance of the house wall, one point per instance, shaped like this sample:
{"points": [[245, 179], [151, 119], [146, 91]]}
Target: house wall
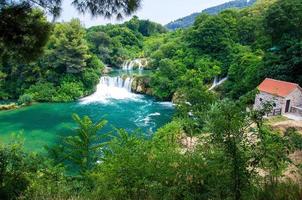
{"points": [[295, 97], [279, 101], [295, 100]]}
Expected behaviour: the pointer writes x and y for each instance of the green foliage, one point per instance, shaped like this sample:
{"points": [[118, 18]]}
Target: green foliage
{"points": [[135, 168], [283, 20], [24, 32], [280, 191], [295, 138], [68, 91], [68, 51], [116, 43], [243, 73], [13, 177], [25, 99], [66, 71], [43, 92], [84, 149], [165, 81]]}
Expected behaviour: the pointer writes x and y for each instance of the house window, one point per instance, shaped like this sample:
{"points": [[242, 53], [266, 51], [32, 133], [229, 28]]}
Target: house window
{"points": [[274, 104], [261, 99]]}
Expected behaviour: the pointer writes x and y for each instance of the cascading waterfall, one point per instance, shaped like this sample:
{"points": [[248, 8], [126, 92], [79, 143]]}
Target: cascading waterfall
{"points": [[217, 82], [130, 64], [111, 88]]}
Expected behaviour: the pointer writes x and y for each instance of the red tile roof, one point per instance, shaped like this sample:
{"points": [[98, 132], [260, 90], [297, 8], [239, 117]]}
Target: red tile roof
{"points": [[278, 88]]}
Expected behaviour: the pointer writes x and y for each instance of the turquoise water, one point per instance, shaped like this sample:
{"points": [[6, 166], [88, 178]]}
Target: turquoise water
{"points": [[46, 124]]}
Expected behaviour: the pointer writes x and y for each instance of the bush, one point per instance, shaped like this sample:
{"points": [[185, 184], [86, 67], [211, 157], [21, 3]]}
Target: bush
{"points": [[13, 176], [69, 91], [25, 99], [42, 92], [90, 79], [280, 191], [295, 138]]}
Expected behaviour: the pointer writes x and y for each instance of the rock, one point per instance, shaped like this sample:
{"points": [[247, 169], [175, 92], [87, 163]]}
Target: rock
{"points": [[9, 106], [107, 70], [177, 97], [140, 89], [149, 91], [140, 85]]}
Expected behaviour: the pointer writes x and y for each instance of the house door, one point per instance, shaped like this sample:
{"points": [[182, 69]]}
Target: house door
{"points": [[287, 106]]}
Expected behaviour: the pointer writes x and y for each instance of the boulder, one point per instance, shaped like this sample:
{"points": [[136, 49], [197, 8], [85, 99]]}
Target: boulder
{"points": [[107, 70], [140, 85]]}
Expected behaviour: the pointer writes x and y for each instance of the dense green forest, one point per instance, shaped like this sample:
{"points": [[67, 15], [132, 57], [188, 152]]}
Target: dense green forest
{"points": [[237, 156]]}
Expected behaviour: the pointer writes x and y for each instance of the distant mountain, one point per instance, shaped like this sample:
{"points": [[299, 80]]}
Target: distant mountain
{"points": [[189, 20]]}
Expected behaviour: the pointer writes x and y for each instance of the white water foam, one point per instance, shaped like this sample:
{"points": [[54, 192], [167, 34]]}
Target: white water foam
{"points": [[167, 104], [111, 88], [155, 114], [129, 64]]}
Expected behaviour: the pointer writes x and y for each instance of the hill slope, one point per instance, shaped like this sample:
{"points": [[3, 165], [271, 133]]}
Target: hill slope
{"points": [[189, 20]]}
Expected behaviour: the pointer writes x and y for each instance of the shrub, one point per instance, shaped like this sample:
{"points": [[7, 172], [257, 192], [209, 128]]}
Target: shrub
{"points": [[25, 99], [69, 91], [90, 79], [13, 176], [295, 138], [42, 92]]}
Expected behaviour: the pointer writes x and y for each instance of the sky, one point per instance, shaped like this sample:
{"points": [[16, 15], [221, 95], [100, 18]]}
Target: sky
{"points": [[161, 11]]}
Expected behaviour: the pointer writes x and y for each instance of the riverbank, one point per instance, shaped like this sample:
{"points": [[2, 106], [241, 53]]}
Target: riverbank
{"points": [[10, 106]]}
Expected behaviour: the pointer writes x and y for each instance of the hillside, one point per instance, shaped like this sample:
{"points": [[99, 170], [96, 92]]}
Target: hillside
{"points": [[189, 20]]}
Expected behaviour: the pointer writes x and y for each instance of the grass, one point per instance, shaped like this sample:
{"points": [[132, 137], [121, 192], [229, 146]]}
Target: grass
{"points": [[276, 119]]}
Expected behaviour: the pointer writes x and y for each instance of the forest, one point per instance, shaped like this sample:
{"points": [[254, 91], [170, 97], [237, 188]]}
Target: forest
{"points": [[237, 154]]}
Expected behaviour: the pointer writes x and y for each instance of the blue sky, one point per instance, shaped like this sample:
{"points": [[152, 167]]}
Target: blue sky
{"points": [[161, 11]]}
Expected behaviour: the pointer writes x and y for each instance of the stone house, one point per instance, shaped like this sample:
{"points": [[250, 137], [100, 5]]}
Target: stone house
{"points": [[286, 97]]}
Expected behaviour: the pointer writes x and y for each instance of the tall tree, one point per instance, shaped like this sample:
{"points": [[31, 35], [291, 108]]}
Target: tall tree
{"points": [[23, 32], [68, 51]]}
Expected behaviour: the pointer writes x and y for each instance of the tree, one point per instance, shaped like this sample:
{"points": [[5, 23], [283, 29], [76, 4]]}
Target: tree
{"points": [[283, 59], [23, 32], [165, 81], [215, 36], [245, 147], [228, 124], [68, 51], [84, 149], [283, 20], [16, 22], [243, 74]]}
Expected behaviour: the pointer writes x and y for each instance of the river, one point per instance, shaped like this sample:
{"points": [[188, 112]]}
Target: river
{"points": [[47, 123]]}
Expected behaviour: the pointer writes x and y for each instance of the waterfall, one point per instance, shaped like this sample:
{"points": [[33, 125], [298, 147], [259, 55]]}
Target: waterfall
{"points": [[111, 88], [217, 82], [139, 63], [127, 65]]}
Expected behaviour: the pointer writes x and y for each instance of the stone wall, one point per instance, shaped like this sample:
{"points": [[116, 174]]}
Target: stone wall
{"points": [[295, 100], [263, 97], [295, 97]]}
